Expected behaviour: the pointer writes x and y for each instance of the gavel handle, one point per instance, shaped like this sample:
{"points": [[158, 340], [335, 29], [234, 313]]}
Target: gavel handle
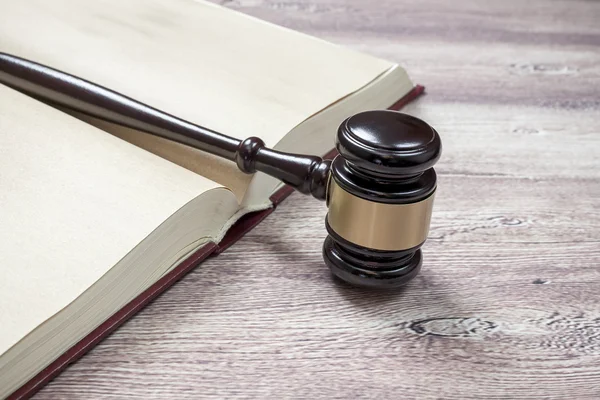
{"points": [[305, 173]]}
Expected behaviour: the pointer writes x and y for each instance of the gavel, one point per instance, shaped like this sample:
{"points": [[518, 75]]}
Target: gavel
{"points": [[379, 189]]}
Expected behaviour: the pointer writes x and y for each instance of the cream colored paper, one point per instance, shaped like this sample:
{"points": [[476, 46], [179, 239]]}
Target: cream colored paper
{"points": [[233, 73], [73, 202]]}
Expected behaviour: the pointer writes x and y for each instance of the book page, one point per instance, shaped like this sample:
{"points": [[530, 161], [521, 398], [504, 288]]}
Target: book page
{"points": [[73, 202], [209, 65], [210, 166]]}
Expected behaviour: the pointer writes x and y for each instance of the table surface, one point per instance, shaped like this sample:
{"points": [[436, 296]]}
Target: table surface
{"points": [[507, 304]]}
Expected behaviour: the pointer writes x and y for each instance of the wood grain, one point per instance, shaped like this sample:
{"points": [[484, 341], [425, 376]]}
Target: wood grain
{"points": [[507, 304]]}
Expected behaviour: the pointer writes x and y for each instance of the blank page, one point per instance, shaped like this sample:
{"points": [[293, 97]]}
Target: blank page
{"points": [[201, 62], [73, 202]]}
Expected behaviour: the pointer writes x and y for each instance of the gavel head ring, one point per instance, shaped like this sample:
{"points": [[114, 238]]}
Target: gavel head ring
{"points": [[380, 197]]}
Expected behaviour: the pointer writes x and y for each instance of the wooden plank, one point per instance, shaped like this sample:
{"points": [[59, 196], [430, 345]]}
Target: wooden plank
{"points": [[543, 53]]}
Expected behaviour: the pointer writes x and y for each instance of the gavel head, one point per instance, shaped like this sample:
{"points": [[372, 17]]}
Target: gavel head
{"points": [[380, 197]]}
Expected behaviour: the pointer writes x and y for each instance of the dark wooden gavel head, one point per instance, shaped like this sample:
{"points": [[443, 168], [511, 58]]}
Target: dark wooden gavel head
{"points": [[380, 197]]}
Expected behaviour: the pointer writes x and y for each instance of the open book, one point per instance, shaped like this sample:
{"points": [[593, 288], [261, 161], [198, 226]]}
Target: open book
{"points": [[96, 219]]}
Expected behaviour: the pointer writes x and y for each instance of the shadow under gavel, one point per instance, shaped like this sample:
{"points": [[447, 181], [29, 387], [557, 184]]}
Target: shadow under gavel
{"points": [[379, 189]]}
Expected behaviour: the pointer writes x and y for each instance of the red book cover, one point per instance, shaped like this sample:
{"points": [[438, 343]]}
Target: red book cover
{"points": [[238, 230]]}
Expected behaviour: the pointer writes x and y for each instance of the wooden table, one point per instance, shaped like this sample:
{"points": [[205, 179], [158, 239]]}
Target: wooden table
{"points": [[508, 302]]}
